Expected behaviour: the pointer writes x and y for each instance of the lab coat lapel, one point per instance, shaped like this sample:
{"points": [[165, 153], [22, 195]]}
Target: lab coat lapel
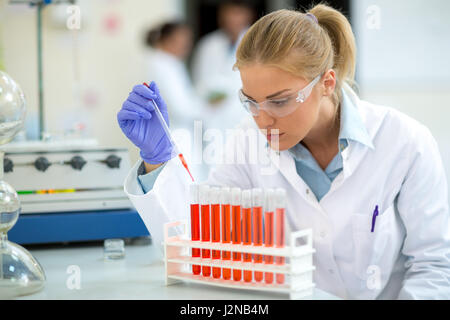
{"points": [[286, 165]]}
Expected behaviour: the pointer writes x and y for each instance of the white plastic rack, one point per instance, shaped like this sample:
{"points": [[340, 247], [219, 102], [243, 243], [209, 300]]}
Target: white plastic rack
{"points": [[298, 266]]}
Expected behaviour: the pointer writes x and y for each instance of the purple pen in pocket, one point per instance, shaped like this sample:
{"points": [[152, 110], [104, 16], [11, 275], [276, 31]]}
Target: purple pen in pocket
{"points": [[374, 217]]}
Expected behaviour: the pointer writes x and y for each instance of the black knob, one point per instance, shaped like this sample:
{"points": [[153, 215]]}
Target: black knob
{"points": [[113, 161], [77, 162], [42, 164], [7, 165]]}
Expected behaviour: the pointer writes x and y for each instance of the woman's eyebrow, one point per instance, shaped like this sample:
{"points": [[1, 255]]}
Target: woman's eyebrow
{"points": [[270, 96], [277, 93]]}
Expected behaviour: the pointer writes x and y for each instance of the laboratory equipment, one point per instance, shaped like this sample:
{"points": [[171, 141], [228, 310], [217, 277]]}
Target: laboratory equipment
{"points": [[236, 228], [67, 175], [20, 272], [280, 198], [293, 263], [13, 108], [225, 199], [195, 224], [205, 225], [175, 147], [298, 268], [257, 203], [268, 229], [247, 228], [215, 226], [113, 249]]}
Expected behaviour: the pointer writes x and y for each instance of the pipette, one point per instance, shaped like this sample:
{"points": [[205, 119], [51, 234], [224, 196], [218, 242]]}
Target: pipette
{"points": [[169, 135]]}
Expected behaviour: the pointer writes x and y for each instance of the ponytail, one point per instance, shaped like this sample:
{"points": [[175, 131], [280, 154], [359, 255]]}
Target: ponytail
{"points": [[342, 39]]}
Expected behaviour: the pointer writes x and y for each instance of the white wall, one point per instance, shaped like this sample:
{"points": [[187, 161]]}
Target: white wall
{"points": [[109, 63], [403, 60]]}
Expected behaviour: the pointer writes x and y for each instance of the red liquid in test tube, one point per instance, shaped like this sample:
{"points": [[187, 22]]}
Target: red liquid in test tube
{"points": [[205, 225], [215, 227], [195, 224], [268, 230], [280, 195], [247, 229], [236, 228], [225, 199], [257, 203]]}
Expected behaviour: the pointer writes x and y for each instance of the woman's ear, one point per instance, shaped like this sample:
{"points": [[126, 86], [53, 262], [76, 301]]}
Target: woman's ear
{"points": [[329, 82]]}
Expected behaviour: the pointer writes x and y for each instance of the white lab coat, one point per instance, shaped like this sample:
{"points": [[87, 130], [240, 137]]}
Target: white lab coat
{"points": [[403, 175], [212, 71]]}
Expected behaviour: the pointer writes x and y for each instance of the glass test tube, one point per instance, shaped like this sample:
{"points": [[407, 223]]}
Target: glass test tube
{"points": [[280, 199], [268, 230], [257, 203], [215, 226], [247, 229], [195, 224], [205, 225], [236, 227], [225, 199]]}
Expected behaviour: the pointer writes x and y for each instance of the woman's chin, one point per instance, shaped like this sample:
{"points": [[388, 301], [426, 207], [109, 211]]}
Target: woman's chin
{"points": [[281, 145]]}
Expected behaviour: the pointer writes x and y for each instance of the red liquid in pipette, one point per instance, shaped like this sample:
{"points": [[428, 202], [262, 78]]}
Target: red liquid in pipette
{"points": [[258, 238], [247, 239], [236, 238], [279, 241], [226, 237], [206, 253], [180, 155], [268, 242], [215, 234], [195, 234]]}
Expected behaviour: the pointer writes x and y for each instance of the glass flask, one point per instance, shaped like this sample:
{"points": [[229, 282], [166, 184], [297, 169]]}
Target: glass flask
{"points": [[12, 108], [20, 273]]}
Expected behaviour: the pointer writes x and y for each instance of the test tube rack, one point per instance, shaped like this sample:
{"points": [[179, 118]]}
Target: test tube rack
{"points": [[298, 266]]}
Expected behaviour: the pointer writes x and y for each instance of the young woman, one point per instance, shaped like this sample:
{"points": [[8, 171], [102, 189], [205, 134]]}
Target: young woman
{"points": [[367, 179]]}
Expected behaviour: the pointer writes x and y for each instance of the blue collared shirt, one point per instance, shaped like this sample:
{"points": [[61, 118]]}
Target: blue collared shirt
{"points": [[352, 129]]}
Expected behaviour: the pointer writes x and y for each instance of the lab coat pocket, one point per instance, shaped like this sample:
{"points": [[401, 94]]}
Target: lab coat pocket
{"points": [[372, 250]]}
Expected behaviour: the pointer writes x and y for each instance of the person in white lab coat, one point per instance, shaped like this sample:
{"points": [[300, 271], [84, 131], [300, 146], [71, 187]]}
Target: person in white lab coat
{"points": [[367, 179], [170, 44], [213, 60]]}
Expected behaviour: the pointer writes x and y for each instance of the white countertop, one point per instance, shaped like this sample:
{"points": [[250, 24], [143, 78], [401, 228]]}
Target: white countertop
{"points": [[140, 275]]}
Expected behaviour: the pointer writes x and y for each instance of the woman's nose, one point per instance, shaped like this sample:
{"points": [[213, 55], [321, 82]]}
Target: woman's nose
{"points": [[264, 120]]}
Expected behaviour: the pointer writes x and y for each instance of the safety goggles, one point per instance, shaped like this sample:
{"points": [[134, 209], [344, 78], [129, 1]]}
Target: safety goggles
{"points": [[281, 107]]}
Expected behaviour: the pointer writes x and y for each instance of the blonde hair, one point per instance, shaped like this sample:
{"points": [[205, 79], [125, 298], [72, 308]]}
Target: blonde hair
{"points": [[295, 42]]}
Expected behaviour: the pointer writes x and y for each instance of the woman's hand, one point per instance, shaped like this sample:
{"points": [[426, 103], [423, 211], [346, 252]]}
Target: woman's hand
{"points": [[139, 123]]}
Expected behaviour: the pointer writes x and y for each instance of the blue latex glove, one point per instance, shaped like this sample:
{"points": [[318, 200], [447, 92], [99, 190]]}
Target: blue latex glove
{"points": [[140, 124]]}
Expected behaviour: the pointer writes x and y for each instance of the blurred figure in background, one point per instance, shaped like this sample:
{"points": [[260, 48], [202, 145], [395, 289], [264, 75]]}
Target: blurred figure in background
{"points": [[171, 43], [213, 60]]}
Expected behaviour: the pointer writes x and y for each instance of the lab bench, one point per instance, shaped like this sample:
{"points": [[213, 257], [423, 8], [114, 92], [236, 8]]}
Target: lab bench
{"points": [[79, 271]]}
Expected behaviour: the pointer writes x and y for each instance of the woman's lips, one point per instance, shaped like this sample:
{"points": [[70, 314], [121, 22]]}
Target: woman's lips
{"points": [[271, 137]]}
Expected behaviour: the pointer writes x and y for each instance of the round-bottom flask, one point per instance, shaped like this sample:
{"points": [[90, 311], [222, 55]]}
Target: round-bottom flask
{"points": [[20, 273]]}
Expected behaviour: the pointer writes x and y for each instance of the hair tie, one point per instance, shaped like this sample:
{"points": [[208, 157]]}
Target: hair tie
{"points": [[312, 17]]}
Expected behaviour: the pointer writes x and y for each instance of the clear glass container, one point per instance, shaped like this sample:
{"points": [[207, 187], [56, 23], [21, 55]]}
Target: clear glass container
{"points": [[12, 108], [20, 273], [114, 249]]}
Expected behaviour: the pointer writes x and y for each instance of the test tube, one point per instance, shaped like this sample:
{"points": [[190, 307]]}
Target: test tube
{"points": [[257, 203], [225, 199], [195, 224], [280, 199], [205, 218], [236, 227], [215, 226], [247, 229], [268, 230]]}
